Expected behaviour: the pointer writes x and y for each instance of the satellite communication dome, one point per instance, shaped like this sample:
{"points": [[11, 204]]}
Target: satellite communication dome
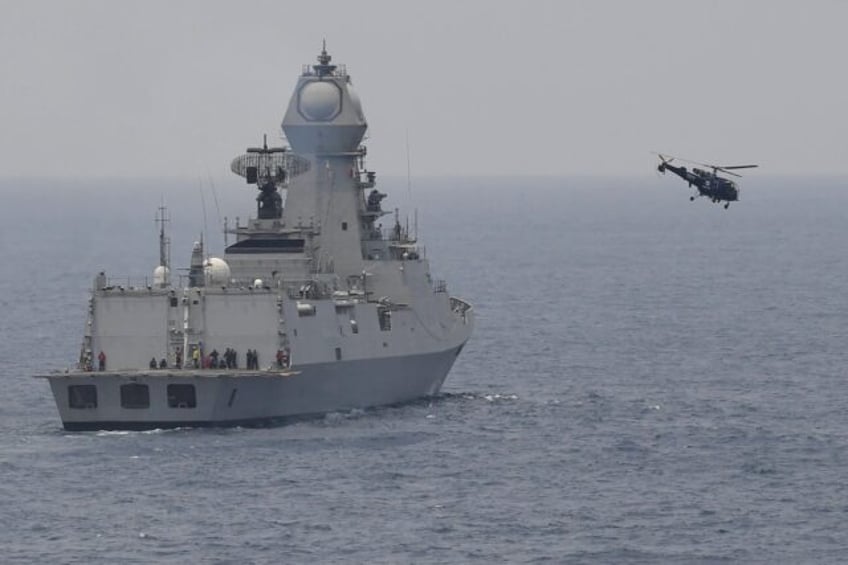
{"points": [[160, 275], [217, 271]]}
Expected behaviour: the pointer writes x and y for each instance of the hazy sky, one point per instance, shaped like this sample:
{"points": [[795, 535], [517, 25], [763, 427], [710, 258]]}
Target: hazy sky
{"points": [[178, 88]]}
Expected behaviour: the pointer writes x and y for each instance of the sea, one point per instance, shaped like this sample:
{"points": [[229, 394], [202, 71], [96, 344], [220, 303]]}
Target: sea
{"points": [[651, 380]]}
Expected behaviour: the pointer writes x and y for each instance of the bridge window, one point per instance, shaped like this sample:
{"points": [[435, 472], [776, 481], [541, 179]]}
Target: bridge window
{"points": [[135, 396], [182, 396], [82, 397]]}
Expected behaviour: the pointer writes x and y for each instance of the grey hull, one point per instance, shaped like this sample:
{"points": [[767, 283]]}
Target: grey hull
{"points": [[233, 398]]}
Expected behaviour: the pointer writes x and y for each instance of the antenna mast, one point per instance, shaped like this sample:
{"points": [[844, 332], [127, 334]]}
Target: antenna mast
{"points": [[164, 241]]}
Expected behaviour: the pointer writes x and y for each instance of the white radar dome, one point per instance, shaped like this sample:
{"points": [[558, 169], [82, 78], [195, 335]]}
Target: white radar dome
{"points": [[320, 101], [160, 275], [217, 271]]}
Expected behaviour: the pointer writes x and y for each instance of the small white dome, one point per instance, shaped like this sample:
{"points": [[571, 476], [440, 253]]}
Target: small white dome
{"points": [[217, 271], [257, 283], [160, 275]]}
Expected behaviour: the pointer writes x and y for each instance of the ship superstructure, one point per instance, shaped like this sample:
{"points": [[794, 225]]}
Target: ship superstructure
{"points": [[316, 307]]}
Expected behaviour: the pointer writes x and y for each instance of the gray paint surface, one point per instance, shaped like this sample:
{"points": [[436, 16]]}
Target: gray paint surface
{"points": [[362, 328]]}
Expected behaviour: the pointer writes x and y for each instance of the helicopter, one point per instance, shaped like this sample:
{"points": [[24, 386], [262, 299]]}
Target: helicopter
{"points": [[708, 183]]}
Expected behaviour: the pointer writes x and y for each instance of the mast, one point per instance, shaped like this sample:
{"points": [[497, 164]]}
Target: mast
{"points": [[164, 243]]}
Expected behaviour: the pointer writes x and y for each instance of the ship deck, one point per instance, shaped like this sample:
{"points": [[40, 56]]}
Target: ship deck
{"points": [[171, 374]]}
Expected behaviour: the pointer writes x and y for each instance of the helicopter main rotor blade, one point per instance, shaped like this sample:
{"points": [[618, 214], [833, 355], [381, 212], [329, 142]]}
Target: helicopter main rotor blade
{"points": [[727, 171], [690, 161]]}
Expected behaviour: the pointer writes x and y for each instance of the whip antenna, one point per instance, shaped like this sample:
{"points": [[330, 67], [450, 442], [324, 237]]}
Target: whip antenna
{"points": [[221, 223], [409, 184], [203, 206]]}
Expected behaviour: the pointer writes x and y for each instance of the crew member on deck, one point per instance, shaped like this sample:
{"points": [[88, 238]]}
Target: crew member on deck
{"points": [[101, 360]]}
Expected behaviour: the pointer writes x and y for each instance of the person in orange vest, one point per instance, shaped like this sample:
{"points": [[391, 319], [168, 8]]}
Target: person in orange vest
{"points": [[101, 359]]}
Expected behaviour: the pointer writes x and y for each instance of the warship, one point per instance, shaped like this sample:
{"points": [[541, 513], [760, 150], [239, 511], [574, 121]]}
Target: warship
{"points": [[315, 308]]}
